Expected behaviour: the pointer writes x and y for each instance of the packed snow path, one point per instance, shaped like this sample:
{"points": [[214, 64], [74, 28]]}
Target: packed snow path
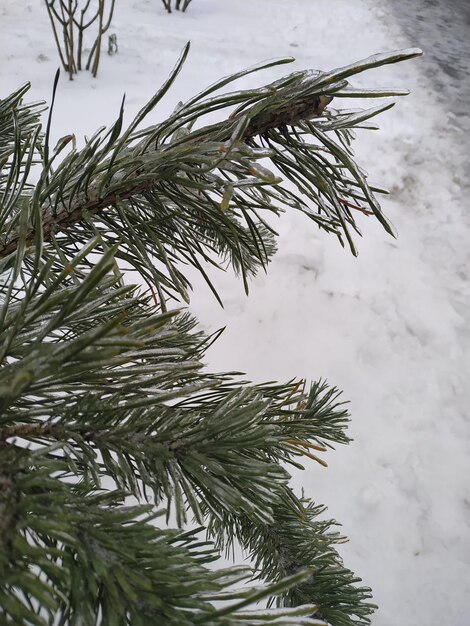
{"points": [[389, 328], [443, 28]]}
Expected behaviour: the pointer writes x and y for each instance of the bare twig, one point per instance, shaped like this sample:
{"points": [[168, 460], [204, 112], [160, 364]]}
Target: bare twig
{"points": [[49, 7]]}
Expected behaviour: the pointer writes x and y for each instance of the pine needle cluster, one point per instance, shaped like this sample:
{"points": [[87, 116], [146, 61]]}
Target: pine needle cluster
{"points": [[111, 429]]}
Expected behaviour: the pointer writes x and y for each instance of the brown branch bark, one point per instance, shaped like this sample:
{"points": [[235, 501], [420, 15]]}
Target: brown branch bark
{"points": [[289, 114], [39, 430], [25, 430]]}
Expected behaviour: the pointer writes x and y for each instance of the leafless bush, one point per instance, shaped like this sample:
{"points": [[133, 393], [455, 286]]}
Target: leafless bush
{"points": [[70, 19], [180, 5]]}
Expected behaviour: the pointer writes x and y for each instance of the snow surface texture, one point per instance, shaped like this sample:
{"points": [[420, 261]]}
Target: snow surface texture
{"points": [[389, 328]]}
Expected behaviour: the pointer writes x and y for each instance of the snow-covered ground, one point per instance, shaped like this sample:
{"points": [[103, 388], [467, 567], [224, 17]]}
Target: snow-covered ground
{"points": [[390, 328]]}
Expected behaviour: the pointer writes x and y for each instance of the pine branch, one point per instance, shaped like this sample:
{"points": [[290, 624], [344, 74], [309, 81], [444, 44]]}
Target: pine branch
{"points": [[298, 539], [201, 184], [150, 417], [200, 451], [97, 556], [102, 391], [66, 214]]}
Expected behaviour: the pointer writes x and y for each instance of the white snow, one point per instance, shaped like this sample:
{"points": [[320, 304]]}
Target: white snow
{"points": [[389, 328]]}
